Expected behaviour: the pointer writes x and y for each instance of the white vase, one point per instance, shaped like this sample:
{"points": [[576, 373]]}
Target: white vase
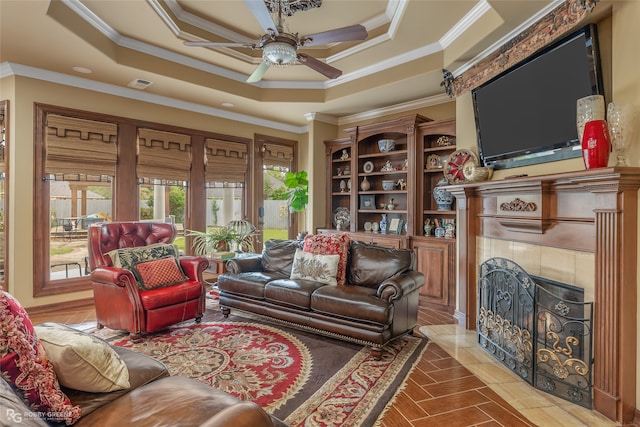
{"points": [[618, 119], [587, 109]]}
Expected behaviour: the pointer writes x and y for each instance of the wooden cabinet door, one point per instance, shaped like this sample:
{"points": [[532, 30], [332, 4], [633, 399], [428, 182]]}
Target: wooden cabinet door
{"points": [[436, 260]]}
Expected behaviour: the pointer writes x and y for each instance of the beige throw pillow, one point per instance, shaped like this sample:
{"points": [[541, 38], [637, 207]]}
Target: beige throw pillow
{"points": [[81, 361], [318, 268]]}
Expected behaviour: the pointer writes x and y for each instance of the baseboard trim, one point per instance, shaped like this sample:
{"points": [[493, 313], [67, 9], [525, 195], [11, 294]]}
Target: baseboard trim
{"points": [[460, 317], [60, 305]]}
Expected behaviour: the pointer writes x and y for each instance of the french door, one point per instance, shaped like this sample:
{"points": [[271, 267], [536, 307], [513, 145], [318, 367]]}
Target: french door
{"points": [[274, 157]]}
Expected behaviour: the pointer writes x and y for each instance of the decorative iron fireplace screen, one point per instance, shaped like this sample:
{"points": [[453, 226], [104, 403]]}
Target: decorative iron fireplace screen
{"points": [[538, 328]]}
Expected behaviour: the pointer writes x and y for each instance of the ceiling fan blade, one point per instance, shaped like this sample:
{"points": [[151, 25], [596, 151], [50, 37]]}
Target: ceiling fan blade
{"points": [[260, 11], [218, 44], [344, 34], [258, 73], [319, 66]]}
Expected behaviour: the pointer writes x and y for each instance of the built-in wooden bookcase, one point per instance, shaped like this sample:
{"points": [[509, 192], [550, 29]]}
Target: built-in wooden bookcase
{"points": [[436, 140], [417, 141]]}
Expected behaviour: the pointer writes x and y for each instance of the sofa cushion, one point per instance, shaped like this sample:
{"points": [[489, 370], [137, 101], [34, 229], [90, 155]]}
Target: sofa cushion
{"points": [[82, 361], [249, 284], [24, 363], [371, 264], [162, 297], [358, 303], [277, 256], [330, 244], [158, 273], [128, 258], [295, 293], [318, 268]]}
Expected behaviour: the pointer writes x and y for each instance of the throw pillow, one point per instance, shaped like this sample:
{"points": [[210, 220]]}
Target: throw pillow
{"points": [[330, 244], [318, 268], [24, 363], [158, 273], [128, 258], [82, 361]]}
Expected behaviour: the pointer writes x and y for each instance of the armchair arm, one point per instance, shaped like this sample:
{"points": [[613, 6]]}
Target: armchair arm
{"points": [[194, 266], [112, 276], [396, 287], [243, 265]]}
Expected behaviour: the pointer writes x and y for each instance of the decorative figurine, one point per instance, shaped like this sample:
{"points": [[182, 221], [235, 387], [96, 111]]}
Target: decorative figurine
{"points": [[402, 184], [391, 206], [345, 155], [339, 172], [388, 167], [450, 230]]}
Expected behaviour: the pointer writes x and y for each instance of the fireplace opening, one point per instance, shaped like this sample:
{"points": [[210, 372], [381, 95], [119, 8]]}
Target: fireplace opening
{"points": [[539, 328]]}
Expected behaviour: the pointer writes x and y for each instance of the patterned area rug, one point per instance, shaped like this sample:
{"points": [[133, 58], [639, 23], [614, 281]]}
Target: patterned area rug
{"points": [[302, 378]]}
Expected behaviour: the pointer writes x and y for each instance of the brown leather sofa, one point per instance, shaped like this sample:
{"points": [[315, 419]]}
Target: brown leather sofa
{"points": [[154, 399], [378, 303]]}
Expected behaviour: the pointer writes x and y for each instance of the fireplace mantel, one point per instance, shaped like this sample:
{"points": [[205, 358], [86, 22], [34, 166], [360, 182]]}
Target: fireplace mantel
{"points": [[593, 211]]}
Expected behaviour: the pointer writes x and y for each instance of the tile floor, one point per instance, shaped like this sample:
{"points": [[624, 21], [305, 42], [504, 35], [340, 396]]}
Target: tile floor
{"points": [[455, 384]]}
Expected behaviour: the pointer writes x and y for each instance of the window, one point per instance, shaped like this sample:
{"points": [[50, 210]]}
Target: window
{"points": [[225, 181], [76, 185], [163, 166], [4, 140]]}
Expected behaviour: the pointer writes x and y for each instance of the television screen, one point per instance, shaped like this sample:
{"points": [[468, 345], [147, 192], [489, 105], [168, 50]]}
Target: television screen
{"points": [[527, 114]]}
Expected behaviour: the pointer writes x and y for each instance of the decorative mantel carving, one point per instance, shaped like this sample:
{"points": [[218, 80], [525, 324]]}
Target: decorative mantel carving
{"points": [[594, 211], [518, 205]]}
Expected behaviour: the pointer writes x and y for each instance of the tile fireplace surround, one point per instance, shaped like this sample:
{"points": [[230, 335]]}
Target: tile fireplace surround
{"points": [[562, 225]]}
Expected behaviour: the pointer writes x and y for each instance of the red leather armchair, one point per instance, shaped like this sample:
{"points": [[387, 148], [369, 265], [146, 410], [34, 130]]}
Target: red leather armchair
{"points": [[120, 304]]}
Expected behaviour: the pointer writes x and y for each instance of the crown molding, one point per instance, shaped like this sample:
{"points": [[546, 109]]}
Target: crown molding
{"points": [[398, 108], [8, 69], [321, 117]]}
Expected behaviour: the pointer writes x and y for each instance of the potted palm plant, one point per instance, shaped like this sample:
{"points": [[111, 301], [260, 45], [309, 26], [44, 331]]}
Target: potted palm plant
{"points": [[215, 239]]}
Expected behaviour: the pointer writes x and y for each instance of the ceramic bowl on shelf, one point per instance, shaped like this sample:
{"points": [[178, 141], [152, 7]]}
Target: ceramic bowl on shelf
{"points": [[388, 184], [386, 145]]}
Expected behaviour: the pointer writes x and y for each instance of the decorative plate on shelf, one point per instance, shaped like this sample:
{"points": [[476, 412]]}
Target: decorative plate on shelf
{"points": [[367, 167], [367, 226], [454, 166], [343, 215]]}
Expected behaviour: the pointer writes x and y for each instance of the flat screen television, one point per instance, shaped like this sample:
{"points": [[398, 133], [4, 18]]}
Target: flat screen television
{"points": [[527, 114]]}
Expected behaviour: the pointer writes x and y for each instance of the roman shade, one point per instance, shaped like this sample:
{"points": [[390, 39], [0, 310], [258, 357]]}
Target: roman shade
{"points": [[277, 155], [163, 155], [80, 146], [226, 161]]}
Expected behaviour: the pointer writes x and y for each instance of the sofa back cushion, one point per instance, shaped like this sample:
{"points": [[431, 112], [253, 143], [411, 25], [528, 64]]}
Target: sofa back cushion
{"points": [[277, 256], [370, 265]]}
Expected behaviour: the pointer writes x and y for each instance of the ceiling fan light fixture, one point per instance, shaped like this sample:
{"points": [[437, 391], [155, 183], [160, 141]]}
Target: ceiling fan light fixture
{"points": [[279, 54]]}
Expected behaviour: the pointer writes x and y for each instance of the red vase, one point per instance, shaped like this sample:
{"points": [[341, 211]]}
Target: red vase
{"points": [[596, 145]]}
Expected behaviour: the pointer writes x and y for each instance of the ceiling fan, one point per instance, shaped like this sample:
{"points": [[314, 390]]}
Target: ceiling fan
{"points": [[280, 48]]}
